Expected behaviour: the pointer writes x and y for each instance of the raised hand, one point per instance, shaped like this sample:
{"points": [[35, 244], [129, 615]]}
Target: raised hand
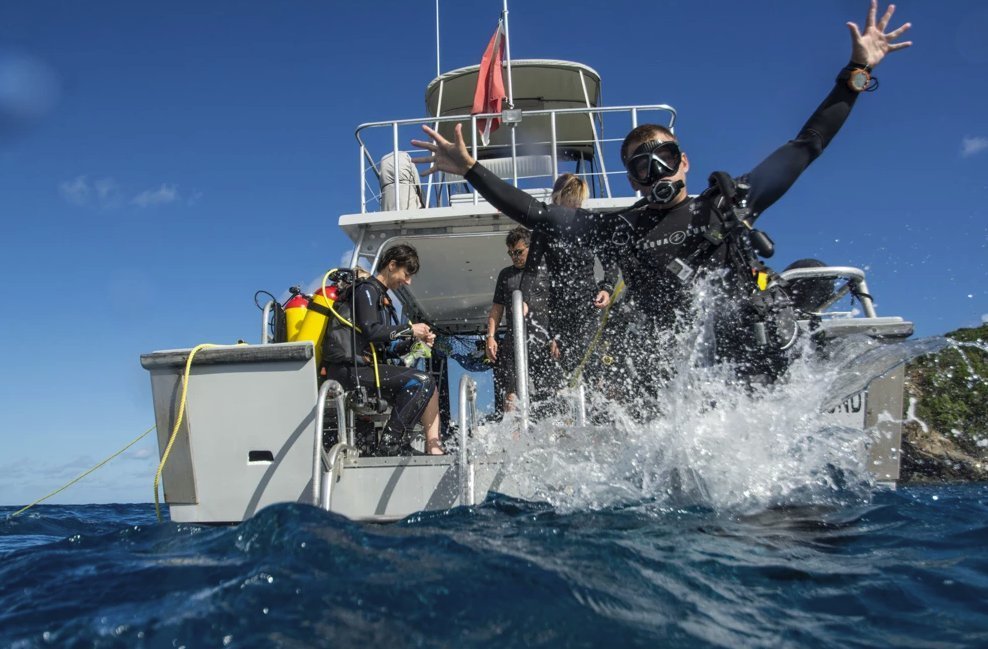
{"points": [[871, 46], [451, 157]]}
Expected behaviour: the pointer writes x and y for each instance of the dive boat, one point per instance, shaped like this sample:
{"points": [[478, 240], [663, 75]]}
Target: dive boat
{"points": [[245, 426]]}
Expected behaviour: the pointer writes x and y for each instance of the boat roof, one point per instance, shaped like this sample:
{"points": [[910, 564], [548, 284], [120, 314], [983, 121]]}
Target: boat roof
{"points": [[543, 80], [537, 84]]}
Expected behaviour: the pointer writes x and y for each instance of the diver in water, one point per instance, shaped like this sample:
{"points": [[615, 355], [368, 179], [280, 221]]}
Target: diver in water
{"points": [[669, 238]]}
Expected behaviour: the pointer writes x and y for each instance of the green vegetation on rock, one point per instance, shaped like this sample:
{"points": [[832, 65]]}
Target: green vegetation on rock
{"points": [[946, 435]]}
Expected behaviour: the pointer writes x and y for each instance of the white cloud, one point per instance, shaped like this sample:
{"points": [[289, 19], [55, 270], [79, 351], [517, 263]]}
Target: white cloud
{"points": [[107, 193], [984, 318], [153, 197], [75, 191], [104, 193], [973, 145]]}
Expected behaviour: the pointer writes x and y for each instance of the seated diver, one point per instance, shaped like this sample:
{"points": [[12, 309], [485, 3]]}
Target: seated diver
{"points": [[356, 356]]}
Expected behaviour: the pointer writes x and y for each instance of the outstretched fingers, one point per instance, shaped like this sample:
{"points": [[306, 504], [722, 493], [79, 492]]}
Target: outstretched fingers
{"points": [[884, 22], [893, 35]]}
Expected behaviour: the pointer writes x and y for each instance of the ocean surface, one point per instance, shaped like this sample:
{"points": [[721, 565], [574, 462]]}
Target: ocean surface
{"points": [[905, 568]]}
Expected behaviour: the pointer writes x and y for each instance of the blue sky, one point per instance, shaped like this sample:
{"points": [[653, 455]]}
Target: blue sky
{"points": [[159, 162]]}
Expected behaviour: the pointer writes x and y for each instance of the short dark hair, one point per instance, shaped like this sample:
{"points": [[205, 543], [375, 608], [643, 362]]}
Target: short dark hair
{"points": [[643, 133], [403, 255], [518, 234]]}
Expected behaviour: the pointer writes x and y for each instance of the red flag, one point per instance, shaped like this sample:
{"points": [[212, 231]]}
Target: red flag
{"points": [[490, 86]]}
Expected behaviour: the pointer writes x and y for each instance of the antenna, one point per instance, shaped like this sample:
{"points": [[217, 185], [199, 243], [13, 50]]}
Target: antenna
{"points": [[507, 55], [438, 69]]}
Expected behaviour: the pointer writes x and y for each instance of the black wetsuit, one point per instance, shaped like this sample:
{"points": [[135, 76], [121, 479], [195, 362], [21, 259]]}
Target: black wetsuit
{"points": [[533, 290], [569, 265], [407, 389], [643, 241]]}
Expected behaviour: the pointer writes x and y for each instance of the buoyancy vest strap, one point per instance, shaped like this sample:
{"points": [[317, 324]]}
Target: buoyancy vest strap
{"points": [[320, 309]]}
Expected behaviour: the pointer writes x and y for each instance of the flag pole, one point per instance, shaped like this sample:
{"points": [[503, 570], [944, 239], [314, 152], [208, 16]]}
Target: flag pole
{"points": [[507, 54], [438, 69]]}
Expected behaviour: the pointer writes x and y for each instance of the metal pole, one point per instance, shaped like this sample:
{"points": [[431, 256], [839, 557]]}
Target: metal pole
{"points": [[555, 146], [468, 395], [507, 54], [394, 168], [596, 139], [363, 193], [437, 40], [581, 405], [265, 314], [521, 356]]}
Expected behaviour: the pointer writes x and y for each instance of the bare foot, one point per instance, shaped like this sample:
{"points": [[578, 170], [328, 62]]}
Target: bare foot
{"points": [[434, 447]]}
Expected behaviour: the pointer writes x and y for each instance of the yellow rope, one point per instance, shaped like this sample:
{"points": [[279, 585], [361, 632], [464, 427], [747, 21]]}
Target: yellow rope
{"points": [[596, 338], [178, 422], [83, 475]]}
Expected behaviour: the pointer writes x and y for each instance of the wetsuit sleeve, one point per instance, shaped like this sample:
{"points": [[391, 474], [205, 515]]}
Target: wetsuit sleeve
{"points": [[777, 173], [524, 209], [371, 318], [610, 275], [536, 250]]}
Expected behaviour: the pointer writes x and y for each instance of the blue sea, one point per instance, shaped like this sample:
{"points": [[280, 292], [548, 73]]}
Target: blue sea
{"points": [[905, 568]]}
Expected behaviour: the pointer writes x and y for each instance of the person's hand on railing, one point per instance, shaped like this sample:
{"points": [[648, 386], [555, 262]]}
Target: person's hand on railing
{"points": [[451, 157], [491, 349]]}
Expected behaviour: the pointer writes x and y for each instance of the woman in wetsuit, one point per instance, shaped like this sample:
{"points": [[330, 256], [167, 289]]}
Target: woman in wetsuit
{"points": [[569, 264], [410, 391]]}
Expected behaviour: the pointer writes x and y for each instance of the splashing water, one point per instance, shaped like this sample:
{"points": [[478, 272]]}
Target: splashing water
{"points": [[711, 440]]}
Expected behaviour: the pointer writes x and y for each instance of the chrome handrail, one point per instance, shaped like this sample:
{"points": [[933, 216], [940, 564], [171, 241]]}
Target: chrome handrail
{"points": [[265, 314], [521, 357], [343, 433], [468, 423], [855, 277], [340, 448]]}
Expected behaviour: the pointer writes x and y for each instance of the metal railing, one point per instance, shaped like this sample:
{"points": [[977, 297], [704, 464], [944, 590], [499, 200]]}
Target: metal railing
{"points": [[521, 357], [855, 285], [344, 439], [468, 423], [604, 150]]}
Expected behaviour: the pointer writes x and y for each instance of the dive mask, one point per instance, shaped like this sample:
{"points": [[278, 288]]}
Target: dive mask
{"points": [[653, 161]]}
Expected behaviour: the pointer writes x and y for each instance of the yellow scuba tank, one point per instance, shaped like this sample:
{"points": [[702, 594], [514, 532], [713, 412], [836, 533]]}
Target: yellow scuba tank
{"points": [[313, 326], [295, 310]]}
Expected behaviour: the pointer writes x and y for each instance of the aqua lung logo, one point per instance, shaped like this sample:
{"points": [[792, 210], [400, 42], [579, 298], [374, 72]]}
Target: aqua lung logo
{"points": [[677, 238]]}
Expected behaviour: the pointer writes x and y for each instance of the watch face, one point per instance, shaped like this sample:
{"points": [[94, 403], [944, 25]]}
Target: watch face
{"points": [[859, 80]]}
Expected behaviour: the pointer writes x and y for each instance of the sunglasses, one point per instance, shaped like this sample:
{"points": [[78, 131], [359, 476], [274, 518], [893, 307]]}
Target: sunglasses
{"points": [[653, 161], [516, 252]]}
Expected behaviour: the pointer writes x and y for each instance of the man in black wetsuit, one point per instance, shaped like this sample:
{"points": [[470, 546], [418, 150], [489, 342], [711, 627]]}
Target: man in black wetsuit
{"points": [[502, 354], [647, 241]]}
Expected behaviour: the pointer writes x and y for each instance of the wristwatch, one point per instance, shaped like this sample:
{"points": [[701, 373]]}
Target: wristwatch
{"points": [[856, 76]]}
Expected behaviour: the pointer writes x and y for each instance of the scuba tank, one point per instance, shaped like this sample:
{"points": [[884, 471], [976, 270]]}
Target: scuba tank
{"points": [[317, 314], [295, 310]]}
